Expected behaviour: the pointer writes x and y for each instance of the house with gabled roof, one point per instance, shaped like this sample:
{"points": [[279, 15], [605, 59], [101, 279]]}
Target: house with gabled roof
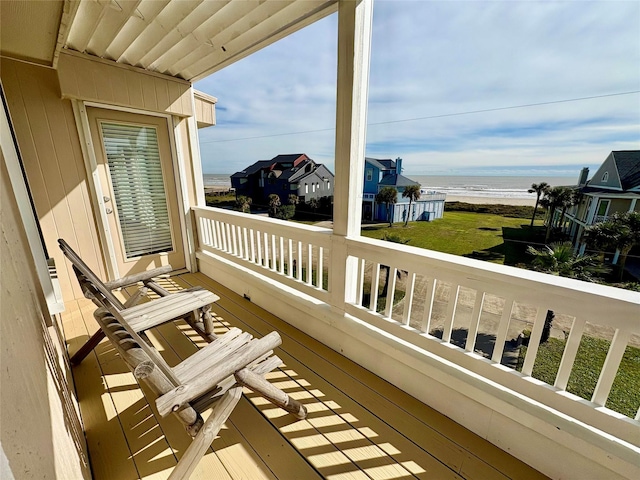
{"points": [[614, 188], [380, 173], [284, 175]]}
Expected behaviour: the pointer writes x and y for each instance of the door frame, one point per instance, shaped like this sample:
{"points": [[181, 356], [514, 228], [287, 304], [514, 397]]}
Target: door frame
{"points": [[96, 189]]}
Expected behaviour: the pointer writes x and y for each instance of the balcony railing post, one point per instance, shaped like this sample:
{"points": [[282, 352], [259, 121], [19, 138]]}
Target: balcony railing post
{"points": [[354, 45]]}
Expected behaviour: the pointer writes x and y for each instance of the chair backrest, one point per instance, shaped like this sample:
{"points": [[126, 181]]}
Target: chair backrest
{"points": [[106, 299], [90, 279]]}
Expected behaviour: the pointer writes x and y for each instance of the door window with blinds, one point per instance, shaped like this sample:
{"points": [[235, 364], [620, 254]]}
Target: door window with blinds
{"points": [[140, 198]]}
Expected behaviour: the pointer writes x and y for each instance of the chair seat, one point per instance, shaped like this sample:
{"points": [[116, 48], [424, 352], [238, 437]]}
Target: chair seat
{"points": [[151, 314]]}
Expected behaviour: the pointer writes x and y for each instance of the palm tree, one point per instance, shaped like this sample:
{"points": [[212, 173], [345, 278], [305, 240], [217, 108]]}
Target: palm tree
{"points": [[554, 198], [621, 231], [412, 192], [540, 189], [559, 259], [388, 196], [243, 203], [274, 203]]}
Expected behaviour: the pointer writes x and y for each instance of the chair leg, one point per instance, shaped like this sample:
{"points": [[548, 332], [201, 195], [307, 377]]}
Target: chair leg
{"points": [[206, 435], [87, 347], [260, 385]]}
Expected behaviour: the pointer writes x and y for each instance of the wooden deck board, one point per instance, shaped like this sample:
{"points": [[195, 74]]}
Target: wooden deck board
{"points": [[359, 426]]}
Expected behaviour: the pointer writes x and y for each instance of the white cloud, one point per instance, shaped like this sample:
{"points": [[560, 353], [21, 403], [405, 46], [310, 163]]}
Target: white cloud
{"points": [[437, 58]]}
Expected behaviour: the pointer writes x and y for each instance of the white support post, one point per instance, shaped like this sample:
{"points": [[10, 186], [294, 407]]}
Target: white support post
{"points": [[354, 45]]}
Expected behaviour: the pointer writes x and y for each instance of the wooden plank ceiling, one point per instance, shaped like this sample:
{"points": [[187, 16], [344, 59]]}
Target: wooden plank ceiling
{"points": [[189, 39]]}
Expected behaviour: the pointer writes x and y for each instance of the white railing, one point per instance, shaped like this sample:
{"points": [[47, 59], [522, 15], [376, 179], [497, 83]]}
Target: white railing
{"points": [[475, 309], [600, 218], [295, 254], [465, 311]]}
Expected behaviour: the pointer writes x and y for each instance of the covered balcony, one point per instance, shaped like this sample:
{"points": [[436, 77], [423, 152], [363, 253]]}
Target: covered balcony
{"points": [[403, 356]]}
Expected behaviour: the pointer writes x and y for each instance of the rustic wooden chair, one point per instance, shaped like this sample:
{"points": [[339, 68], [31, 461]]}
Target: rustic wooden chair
{"points": [[213, 376], [192, 304]]}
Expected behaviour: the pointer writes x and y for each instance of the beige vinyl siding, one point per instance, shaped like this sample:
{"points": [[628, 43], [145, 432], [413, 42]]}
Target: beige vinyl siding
{"points": [[50, 148], [205, 109], [41, 432], [620, 205], [93, 79]]}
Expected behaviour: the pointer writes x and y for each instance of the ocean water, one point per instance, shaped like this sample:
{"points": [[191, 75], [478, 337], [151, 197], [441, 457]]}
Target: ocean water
{"points": [[458, 185]]}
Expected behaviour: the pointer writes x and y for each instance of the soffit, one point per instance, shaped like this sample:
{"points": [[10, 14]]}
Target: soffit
{"points": [[29, 30], [189, 39]]}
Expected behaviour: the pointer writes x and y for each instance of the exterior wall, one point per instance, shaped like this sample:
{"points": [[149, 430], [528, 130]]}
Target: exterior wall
{"points": [[41, 434], [613, 180], [371, 186], [205, 109], [97, 80], [620, 205], [420, 211], [321, 191], [50, 148]]}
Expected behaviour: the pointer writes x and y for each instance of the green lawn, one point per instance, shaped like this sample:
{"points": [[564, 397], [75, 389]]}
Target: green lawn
{"points": [[468, 234], [625, 392]]}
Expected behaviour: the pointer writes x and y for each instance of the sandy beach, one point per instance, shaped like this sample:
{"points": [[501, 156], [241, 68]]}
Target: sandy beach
{"points": [[450, 198], [492, 200]]}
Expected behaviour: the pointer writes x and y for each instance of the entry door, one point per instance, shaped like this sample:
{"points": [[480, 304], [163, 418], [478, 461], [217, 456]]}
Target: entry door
{"points": [[133, 153]]}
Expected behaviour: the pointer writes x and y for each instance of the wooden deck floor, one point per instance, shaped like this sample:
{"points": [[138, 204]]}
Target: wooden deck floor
{"points": [[359, 426]]}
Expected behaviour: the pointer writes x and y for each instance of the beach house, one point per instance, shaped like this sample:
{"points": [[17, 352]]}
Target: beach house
{"points": [[380, 173], [614, 187], [284, 175], [390, 394]]}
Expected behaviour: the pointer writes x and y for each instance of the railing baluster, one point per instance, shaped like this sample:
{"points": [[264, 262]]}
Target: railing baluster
{"points": [[299, 262], [281, 255], [425, 324], [451, 313], [220, 236], [253, 245], [476, 314], [610, 367], [259, 242], [309, 264], [360, 281], [569, 354], [245, 234], [240, 243], [503, 328], [534, 341], [391, 289], [290, 269], [274, 253], [234, 240], [202, 231], [320, 274], [266, 250], [211, 224], [408, 297], [375, 282], [228, 245]]}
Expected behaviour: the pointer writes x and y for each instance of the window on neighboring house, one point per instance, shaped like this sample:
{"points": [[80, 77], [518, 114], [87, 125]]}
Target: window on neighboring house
{"points": [[328, 185], [313, 187], [294, 186], [605, 177], [369, 174], [306, 188], [284, 186], [602, 208], [243, 181]]}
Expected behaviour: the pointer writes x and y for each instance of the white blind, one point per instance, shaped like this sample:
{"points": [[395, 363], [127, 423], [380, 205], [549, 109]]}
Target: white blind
{"points": [[136, 175]]}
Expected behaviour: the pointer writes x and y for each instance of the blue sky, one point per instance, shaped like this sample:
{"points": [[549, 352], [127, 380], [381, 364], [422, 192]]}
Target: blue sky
{"points": [[443, 59]]}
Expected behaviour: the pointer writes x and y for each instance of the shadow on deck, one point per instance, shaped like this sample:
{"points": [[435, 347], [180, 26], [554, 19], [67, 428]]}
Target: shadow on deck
{"points": [[359, 426]]}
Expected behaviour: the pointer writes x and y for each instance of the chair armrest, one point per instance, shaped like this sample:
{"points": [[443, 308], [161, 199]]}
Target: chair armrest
{"points": [[138, 277]]}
